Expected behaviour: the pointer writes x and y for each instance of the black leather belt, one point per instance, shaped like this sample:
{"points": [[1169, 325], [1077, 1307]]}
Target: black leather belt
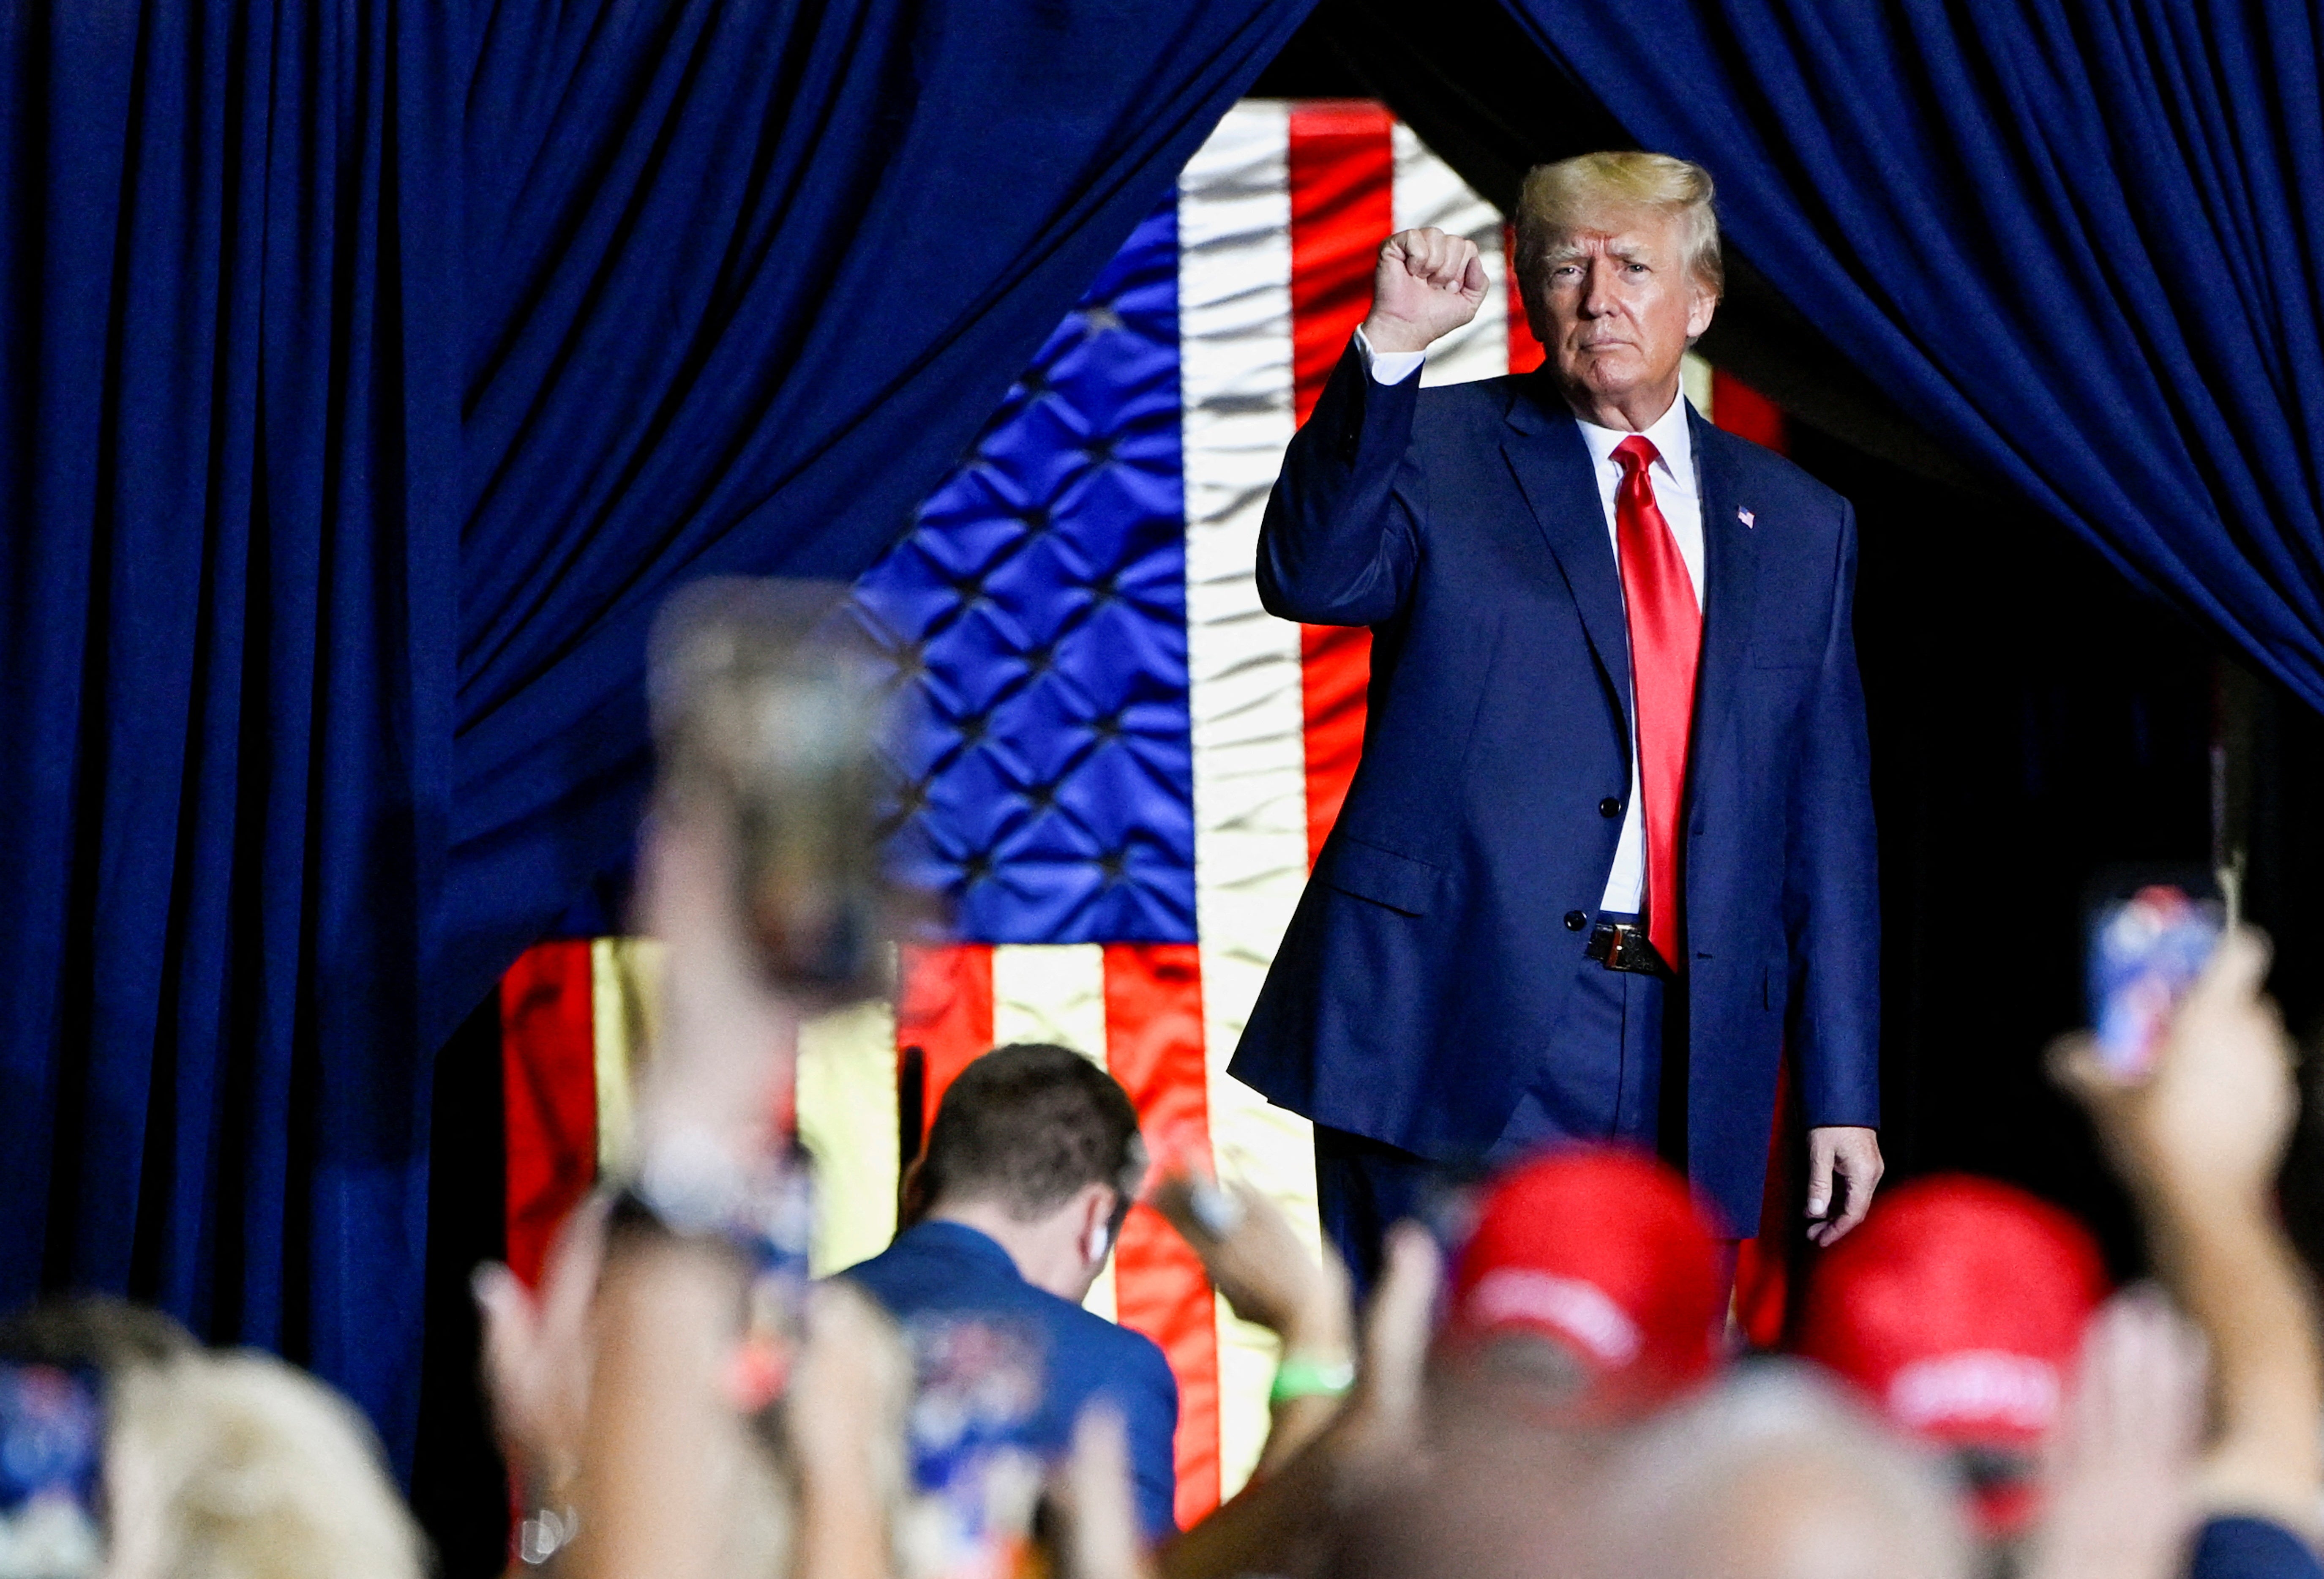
{"points": [[1624, 945]]}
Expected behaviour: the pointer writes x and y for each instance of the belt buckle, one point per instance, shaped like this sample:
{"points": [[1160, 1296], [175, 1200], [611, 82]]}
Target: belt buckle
{"points": [[1623, 946]]}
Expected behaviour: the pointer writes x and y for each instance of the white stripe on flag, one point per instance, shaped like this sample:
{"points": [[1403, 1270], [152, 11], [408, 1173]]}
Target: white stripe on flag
{"points": [[1054, 992], [626, 977], [1694, 375], [1427, 193], [1250, 782], [847, 1123]]}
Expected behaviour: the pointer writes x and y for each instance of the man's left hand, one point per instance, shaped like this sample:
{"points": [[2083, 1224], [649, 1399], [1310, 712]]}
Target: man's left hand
{"points": [[1843, 1168]]}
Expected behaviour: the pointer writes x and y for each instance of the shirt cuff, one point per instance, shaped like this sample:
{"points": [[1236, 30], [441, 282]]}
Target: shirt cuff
{"points": [[1388, 366]]}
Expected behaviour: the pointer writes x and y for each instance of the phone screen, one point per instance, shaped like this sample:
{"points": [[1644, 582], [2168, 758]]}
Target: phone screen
{"points": [[2146, 949], [975, 1465], [52, 1471]]}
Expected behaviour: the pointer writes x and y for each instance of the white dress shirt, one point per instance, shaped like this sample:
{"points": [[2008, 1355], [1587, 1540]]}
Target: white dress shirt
{"points": [[1679, 495], [1678, 491], [1388, 366]]}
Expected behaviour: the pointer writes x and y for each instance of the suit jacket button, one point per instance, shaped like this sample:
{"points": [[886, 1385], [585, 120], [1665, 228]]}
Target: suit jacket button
{"points": [[1610, 806], [1575, 920]]}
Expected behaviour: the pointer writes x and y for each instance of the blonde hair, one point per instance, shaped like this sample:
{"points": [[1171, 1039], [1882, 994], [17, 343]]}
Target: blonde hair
{"points": [[238, 1466], [1558, 199]]}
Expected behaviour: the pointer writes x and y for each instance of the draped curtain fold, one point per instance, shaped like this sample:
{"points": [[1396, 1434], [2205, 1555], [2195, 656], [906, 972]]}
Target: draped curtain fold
{"points": [[2081, 241], [368, 373]]}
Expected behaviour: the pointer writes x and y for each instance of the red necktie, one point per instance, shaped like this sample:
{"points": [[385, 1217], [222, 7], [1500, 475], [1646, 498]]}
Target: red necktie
{"points": [[1665, 639]]}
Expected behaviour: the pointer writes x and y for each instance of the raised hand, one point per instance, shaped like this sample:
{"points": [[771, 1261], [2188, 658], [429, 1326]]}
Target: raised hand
{"points": [[1096, 1501], [1258, 1261], [536, 1368], [2119, 1469], [2198, 1141], [2217, 1110], [1426, 285], [844, 1418], [721, 1062], [1381, 1430]]}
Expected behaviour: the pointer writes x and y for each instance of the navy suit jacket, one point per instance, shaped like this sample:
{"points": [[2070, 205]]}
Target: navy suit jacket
{"points": [[948, 1268], [1424, 973]]}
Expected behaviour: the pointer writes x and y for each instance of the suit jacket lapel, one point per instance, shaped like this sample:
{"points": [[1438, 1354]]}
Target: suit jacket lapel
{"points": [[1551, 463], [1731, 571]]}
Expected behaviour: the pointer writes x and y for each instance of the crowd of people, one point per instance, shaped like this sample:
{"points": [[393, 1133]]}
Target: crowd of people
{"points": [[1542, 1380]]}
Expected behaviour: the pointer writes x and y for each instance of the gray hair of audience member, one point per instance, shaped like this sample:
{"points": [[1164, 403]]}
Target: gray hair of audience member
{"points": [[1776, 1474], [221, 1465], [238, 1466], [1592, 190], [1026, 1125]]}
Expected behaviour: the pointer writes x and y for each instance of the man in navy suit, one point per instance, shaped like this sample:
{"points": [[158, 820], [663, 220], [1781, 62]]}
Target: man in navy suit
{"points": [[1610, 849], [1030, 1167]]}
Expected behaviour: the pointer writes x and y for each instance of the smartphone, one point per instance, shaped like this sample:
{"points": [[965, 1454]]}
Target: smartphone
{"points": [[2148, 943], [52, 1471], [768, 704], [977, 1469]]}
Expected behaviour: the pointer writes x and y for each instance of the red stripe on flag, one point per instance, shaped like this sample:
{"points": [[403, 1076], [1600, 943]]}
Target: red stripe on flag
{"points": [[1342, 180], [1336, 666], [1342, 175], [1744, 411], [1154, 1047], [1526, 353], [549, 1094], [943, 1007]]}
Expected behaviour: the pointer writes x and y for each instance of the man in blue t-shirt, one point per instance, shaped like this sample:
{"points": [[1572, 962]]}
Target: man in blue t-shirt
{"points": [[1030, 1169]]}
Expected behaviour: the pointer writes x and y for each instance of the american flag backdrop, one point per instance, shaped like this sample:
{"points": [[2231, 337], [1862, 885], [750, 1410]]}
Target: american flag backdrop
{"points": [[1124, 766]]}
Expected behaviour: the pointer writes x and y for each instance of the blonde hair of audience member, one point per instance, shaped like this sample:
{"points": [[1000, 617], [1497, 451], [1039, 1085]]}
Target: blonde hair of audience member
{"points": [[1775, 1475], [1558, 199], [238, 1466]]}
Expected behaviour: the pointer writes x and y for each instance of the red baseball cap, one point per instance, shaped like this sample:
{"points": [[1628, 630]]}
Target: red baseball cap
{"points": [[1959, 1307], [1604, 1252]]}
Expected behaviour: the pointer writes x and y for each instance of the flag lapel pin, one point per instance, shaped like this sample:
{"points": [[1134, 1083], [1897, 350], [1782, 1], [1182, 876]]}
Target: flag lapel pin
{"points": [[1745, 517]]}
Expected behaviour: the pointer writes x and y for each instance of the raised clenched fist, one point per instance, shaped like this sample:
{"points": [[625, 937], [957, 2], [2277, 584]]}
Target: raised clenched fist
{"points": [[1426, 285]]}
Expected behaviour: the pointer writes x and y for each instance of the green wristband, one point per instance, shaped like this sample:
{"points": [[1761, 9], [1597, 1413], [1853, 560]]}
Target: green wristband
{"points": [[1299, 1376]]}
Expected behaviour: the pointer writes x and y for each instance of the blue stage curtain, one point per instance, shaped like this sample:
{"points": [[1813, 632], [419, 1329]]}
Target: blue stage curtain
{"points": [[2080, 241], [368, 373]]}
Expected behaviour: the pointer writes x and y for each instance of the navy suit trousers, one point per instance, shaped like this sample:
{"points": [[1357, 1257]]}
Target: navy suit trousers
{"points": [[1613, 1019]]}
